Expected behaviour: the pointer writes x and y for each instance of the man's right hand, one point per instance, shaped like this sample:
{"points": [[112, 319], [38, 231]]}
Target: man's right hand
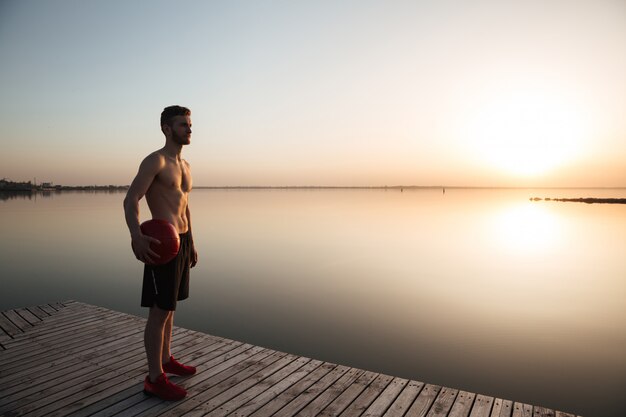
{"points": [[141, 248]]}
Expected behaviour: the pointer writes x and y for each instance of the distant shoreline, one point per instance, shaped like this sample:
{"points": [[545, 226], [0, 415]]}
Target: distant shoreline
{"points": [[587, 200], [64, 188]]}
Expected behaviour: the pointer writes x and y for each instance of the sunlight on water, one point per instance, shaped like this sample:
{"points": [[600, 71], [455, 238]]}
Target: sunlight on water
{"points": [[526, 228]]}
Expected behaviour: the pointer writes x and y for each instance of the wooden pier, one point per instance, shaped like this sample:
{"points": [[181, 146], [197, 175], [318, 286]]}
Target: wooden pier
{"points": [[75, 359]]}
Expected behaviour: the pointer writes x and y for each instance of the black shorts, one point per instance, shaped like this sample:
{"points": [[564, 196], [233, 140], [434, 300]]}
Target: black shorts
{"points": [[164, 285]]}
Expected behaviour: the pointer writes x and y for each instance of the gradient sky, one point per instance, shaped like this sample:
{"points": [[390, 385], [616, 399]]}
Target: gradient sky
{"points": [[473, 93]]}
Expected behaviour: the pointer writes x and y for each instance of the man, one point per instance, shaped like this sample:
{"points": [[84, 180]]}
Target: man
{"points": [[165, 179]]}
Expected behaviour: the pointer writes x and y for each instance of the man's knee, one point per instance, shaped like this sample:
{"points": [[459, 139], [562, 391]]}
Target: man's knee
{"points": [[158, 315]]}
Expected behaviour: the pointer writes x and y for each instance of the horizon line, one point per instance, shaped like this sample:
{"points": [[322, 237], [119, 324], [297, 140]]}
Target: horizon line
{"points": [[402, 186], [503, 187], [440, 186]]}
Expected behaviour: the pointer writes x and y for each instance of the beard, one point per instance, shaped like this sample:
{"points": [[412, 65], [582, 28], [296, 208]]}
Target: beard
{"points": [[182, 139]]}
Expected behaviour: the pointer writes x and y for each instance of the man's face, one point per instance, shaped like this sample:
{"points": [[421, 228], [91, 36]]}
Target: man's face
{"points": [[181, 130]]}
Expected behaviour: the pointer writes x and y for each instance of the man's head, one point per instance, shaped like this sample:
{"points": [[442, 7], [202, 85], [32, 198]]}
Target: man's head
{"points": [[176, 124]]}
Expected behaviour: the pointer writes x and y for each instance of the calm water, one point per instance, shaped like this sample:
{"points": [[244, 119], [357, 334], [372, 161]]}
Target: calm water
{"points": [[480, 290]]}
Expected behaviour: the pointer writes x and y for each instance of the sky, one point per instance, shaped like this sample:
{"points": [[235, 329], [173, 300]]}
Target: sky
{"points": [[341, 93]]}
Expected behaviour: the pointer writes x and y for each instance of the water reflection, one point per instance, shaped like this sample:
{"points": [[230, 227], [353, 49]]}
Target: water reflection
{"points": [[35, 194], [475, 289], [12, 195]]}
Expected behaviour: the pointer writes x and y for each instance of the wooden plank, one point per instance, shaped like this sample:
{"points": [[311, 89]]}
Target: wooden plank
{"points": [[443, 403], [57, 316], [221, 369], [71, 370], [134, 351], [367, 397], [58, 357], [66, 343], [302, 399], [3, 339], [277, 389], [57, 306], [56, 402], [222, 382], [482, 406], [35, 345], [128, 393], [56, 328], [55, 332], [522, 410], [115, 403], [562, 414], [37, 312], [183, 342], [402, 403], [112, 354], [28, 316], [60, 311], [31, 373], [17, 320], [73, 310], [66, 370], [502, 408], [69, 343], [543, 412], [261, 387], [51, 379], [42, 398], [386, 398], [133, 378], [113, 400], [294, 391], [331, 393], [214, 397], [463, 404], [49, 310], [60, 403], [8, 326], [339, 404], [67, 318], [424, 401], [23, 394]]}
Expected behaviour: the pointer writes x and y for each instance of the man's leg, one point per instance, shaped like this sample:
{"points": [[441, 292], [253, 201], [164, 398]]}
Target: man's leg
{"points": [[172, 366], [167, 338], [153, 340]]}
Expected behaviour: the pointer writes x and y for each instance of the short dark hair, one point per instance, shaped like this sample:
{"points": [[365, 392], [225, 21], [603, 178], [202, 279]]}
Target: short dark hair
{"points": [[172, 111]]}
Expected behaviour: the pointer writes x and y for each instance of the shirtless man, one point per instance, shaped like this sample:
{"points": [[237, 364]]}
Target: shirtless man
{"points": [[165, 179]]}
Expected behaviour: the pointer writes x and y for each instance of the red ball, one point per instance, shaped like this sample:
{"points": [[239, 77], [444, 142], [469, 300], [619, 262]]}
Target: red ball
{"points": [[167, 234]]}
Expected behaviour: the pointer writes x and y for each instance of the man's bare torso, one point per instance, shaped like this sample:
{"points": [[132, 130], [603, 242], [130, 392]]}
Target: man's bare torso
{"points": [[168, 194]]}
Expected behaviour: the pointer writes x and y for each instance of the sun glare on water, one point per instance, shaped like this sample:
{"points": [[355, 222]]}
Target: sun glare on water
{"points": [[526, 228], [526, 133]]}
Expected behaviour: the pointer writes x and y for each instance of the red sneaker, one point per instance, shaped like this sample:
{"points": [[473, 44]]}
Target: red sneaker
{"points": [[163, 389], [177, 368]]}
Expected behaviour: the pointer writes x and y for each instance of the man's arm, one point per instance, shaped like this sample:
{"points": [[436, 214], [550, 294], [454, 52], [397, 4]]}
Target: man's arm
{"points": [[194, 253], [148, 170]]}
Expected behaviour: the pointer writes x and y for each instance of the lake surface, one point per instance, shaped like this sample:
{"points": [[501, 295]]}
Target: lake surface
{"points": [[481, 290]]}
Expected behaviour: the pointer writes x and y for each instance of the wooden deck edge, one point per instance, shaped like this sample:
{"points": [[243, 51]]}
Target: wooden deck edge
{"points": [[14, 322]]}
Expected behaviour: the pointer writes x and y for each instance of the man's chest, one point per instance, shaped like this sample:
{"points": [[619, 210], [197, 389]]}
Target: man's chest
{"points": [[176, 176]]}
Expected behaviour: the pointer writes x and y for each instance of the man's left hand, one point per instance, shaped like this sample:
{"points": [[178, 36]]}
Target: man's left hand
{"points": [[194, 257]]}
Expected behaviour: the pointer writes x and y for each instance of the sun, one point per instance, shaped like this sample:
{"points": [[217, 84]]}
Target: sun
{"points": [[526, 133]]}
